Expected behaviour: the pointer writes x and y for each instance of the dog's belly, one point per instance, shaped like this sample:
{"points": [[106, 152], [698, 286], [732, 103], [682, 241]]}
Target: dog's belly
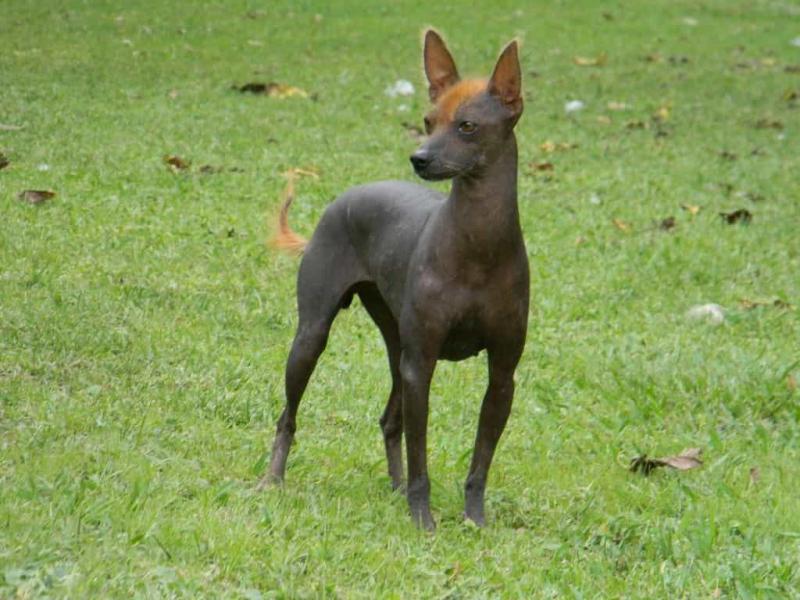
{"points": [[465, 340]]}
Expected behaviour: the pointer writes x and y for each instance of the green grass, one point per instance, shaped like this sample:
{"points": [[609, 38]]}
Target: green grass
{"points": [[144, 325]]}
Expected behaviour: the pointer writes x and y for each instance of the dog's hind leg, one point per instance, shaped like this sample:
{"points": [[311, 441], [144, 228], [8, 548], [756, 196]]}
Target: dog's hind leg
{"points": [[392, 418], [324, 286]]}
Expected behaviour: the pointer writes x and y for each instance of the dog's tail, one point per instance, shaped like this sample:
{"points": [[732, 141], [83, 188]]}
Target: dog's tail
{"points": [[284, 238]]}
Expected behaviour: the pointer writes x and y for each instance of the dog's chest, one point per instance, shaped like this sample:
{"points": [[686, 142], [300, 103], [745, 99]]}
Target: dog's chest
{"points": [[465, 339]]}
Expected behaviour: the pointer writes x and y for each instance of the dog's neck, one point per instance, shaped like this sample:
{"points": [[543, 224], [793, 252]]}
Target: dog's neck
{"points": [[483, 209]]}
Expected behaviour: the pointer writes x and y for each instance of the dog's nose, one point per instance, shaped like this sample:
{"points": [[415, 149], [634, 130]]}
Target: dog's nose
{"points": [[420, 159]]}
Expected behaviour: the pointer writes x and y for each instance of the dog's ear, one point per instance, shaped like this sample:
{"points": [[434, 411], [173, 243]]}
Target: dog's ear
{"points": [[440, 69], [506, 81]]}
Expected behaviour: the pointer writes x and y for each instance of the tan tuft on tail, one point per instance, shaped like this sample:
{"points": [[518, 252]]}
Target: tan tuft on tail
{"points": [[284, 238]]}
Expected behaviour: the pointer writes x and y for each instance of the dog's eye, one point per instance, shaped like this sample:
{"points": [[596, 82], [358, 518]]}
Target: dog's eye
{"points": [[428, 125], [467, 127]]}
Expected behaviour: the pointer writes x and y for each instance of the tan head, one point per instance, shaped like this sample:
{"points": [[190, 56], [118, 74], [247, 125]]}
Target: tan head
{"points": [[470, 118]]}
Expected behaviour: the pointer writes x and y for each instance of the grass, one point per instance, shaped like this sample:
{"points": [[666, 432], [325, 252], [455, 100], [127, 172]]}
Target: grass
{"points": [[144, 326]]}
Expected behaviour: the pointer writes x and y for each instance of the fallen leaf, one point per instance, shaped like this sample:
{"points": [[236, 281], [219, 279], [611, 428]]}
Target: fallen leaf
{"points": [[636, 125], [791, 95], [621, 225], [617, 106], [768, 62], [748, 304], [752, 196], [305, 172], [597, 61], [542, 166], [36, 196], [273, 90], [688, 459], [574, 106], [741, 215], [580, 240], [173, 94], [7, 127], [726, 155], [755, 475], [667, 224], [655, 57], [678, 60], [792, 68], [608, 16], [209, 169], [176, 163], [604, 119], [692, 209], [791, 383], [4, 162], [767, 123], [662, 114], [549, 146]]}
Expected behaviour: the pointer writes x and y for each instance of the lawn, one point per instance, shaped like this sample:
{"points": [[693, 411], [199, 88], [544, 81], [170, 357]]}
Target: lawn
{"points": [[144, 324]]}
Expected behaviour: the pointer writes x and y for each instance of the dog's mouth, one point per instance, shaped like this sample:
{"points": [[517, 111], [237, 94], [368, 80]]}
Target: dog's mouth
{"points": [[438, 171]]}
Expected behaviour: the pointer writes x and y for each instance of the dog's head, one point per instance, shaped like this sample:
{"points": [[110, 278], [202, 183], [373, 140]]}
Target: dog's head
{"points": [[471, 119]]}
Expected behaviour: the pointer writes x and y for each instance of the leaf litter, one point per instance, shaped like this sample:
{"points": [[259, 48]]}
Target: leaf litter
{"points": [[36, 197], [690, 458], [272, 89]]}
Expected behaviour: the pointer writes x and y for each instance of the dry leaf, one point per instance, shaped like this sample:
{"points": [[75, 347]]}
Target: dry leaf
{"points": [[542, 166], [747, 304], [692, 209], [273, 90], [176, 163], [617, 106], [667, 224], [549, 146], [755, 475], [662, 114], [726, 155], [621, 225], [36, 196], [209, 169], [4, 162], [8, 127], [741, 215], [678, 60], [791, 95], [597, 61], [304, 171], [636, 125], [654, 58], [688, 459], [792, 68], [791, 383], [604, 119], [767, 123]]}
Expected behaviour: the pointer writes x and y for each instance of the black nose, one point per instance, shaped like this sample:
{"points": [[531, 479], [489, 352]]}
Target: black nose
{"points": [[420, 160]]}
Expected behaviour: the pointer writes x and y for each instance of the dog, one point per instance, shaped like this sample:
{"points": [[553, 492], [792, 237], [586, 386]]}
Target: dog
{"points": [[442, 276]]}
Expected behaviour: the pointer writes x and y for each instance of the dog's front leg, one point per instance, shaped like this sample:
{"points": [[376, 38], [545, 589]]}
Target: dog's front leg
{"points": [[416, 371], [494, 414]]}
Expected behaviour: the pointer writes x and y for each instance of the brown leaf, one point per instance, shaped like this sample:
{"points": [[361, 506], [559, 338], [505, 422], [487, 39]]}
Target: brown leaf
{"points": [[176, 163], [791, 382], [755, 475], [741, 215], [692, 209], [4, 162], [636, 125], [617, 106], [597, 61], [791, 95], [792, 68], [209, 169], [667, 224], [604, 119], [748, 304], [767, 123], [549, 146], [726, 155], [655, 57], [621, 225], [273, 90], [36, 196], [542, 166], [662, 114], [688, 459]]}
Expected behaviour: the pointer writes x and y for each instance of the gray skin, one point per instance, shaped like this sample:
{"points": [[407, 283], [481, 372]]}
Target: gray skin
{"points": [[443, 277]]}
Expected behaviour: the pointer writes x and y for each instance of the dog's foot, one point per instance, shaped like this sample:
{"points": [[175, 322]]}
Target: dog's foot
{"points": [[477, 520], [423, 519], [267, 481]]}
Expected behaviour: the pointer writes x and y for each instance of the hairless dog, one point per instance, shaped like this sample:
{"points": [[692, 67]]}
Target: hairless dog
{"points": [[442, 276]]}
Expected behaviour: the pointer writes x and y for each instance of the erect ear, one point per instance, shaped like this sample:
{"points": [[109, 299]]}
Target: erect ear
{"points": [[440, 69], [506, 81]]}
